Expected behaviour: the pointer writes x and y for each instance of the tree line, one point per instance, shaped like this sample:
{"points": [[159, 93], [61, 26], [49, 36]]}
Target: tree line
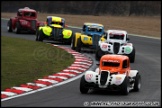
{"points": [[124, 8]]}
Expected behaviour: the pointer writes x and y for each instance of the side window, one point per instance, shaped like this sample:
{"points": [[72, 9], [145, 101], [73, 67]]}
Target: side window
{"points": [[125, 64], [19, 13]]}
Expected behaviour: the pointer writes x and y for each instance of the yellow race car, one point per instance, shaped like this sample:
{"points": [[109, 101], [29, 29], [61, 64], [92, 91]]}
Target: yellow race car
{"points": [[54, 29], [88, 38]]}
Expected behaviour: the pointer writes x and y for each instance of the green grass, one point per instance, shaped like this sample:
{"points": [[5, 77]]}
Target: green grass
{"points": [[24, 61]]}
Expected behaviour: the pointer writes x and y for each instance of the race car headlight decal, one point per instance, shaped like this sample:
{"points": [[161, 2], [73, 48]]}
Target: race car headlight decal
{"points": [[128, 50], [118, 78]]}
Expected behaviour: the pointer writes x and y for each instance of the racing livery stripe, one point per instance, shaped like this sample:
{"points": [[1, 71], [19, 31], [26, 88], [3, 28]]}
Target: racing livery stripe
{"points": [[80, 65]]}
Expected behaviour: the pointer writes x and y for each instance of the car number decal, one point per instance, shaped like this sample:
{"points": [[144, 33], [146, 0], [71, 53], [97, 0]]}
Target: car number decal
{"points": [[104, 46], [89, 76]]}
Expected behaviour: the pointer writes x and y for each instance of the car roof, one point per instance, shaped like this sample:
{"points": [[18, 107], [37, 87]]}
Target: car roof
{"points": [[117, 31], [108, 57], [27, 9], [56, 18], [89, 23]]}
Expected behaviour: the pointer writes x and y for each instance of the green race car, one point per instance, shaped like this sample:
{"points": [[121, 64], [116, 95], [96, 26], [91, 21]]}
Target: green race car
{"points": [[54, 29]]}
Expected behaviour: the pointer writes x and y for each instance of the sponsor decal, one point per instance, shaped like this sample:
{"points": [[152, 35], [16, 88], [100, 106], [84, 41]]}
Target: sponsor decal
{"points": [[104, 46], [118, 78], [116, 61], [89, 76]]}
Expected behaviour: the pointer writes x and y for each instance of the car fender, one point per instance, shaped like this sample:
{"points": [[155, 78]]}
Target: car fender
{"points": [[77, 35], [133, 73], [67, 33], [118, 79], [97, 70], [90, 76], [86, 39], [104, 46], [46, 30], [102, 39]]}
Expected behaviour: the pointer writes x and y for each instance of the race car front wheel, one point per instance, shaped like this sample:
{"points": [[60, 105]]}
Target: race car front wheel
{"points": [[79, 45], [73, 42], [83, 89], [132, 56], [37, 33], [137, 84], [18, 28], [9, 26], [125, 86], [40, 36]]}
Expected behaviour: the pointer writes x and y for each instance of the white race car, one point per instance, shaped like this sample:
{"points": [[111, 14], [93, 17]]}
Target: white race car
{"points": [[114, 73], [115, 42]]}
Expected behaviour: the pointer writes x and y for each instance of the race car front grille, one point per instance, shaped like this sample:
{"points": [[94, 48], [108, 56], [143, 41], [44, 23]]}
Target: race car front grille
{"points": [[56, 33], [103, 78], [95, 39], [116, 47], [33, 24]]}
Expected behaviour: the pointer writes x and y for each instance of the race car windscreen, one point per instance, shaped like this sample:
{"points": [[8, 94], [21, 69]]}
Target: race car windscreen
{"points": [[58, 23], [29, 14], [117, 36], [111, 64], [94, 29]]}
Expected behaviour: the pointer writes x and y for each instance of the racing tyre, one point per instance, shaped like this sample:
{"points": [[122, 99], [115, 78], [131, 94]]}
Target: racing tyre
{"points": [[125, 86], [17, 28], [137, 84], [37, 33], [132, 56], [79, 45], [73, 42], [70, 39], [99, 53], [9, 26], [83, 89], [40, 36]]}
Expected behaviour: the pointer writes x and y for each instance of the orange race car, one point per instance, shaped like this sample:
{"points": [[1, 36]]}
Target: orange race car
{"points": [[113, 73]]}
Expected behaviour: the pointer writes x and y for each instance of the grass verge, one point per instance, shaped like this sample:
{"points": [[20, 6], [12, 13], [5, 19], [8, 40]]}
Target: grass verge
{"points": [[24, 61]]}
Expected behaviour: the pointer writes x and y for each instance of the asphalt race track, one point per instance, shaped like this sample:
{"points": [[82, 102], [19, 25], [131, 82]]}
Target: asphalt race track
{"points": [[147, 62]]}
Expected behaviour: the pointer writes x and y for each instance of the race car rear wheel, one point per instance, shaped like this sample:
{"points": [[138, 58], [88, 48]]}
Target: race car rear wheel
{"points": [[125, 86], [137, 84], [73, 42], [9, 26], [79, 45], [83, 89], [40, 35]]}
